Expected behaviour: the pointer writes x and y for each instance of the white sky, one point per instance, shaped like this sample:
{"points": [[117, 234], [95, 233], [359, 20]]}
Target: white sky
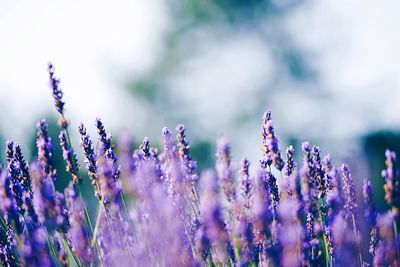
{"points": [[353, 45]]}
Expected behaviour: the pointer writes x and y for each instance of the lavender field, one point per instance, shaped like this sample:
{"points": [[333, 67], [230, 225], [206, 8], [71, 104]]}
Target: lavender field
{"points": [[154, 208]]}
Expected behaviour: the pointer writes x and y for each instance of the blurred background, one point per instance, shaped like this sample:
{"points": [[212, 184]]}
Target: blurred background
{"points": [[328, 70]]}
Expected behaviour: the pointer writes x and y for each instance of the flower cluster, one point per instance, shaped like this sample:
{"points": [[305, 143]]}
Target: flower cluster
{"points": [[154, 209]]}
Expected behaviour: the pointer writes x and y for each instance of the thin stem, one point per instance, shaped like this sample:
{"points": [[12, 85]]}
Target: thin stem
{"points": [[395, 239], [127, 215], [96, 227], [51, 247], [357, 240], [326, 252], [87, 216], [66, 246], [6, 226]]}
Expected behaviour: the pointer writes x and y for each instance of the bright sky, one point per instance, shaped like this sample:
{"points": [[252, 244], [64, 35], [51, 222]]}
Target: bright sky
{"points": [[353, 46], [92, 44]]}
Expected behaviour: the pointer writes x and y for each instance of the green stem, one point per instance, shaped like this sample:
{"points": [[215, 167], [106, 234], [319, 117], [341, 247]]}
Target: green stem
{"points": [[89, 223], [51, 247], [357, 240], [127, 215], [395, 239], [324, 241], [5, 226], [87, 216], [96, 227], [70, 253], [326, 251]]}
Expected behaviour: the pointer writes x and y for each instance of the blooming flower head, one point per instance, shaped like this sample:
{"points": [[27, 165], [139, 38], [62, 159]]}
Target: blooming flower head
{"points": [[90, 158], [349, 190], [188, 163], [392, 182], [290, 164], [44, 146], [70, 158], [36, 251], [77, 232], [270, 141], [223, 162], [246, 181], [211, 212], [57, 92]]}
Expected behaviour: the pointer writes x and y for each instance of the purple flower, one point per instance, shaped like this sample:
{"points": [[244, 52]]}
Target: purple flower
{"points": [[344, 241], [188, 164], [246, 182], [319, 172], [351, 205], [349, 190], [70, 158], [290, 164], [308, 177], [311, 242], [9, 151], [15, 186], [386, 250], [57, 92], [242, 236], [106, 148], [392, 182], [8, 205], [77, 233], [262, 214], [90, 159], [173, 174], [8, 247], [21, 164], [61, 253], [328, 168], [370, 212], [35, 249], [223, 162], [290, 232], [270, 141], [110, 188], [61, 212], [45, 147], [145, 148], [212, 221], [270, 179], [126, 149]]}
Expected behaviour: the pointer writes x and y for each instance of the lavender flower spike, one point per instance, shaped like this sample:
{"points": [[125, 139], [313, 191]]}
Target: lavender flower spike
{"points": [[77, 233], [246, 182], [57, 92], [290, 233], [211, 211], [70, 158], [24, 177], [223, 162], [351, 205], [270, 141], [370, 215], [290, 164], [9, 151], [189, 165], [45, 147], [90, 159], [392, 181], [386, 250], [105, 145], [36, 250], [349, 190]]}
